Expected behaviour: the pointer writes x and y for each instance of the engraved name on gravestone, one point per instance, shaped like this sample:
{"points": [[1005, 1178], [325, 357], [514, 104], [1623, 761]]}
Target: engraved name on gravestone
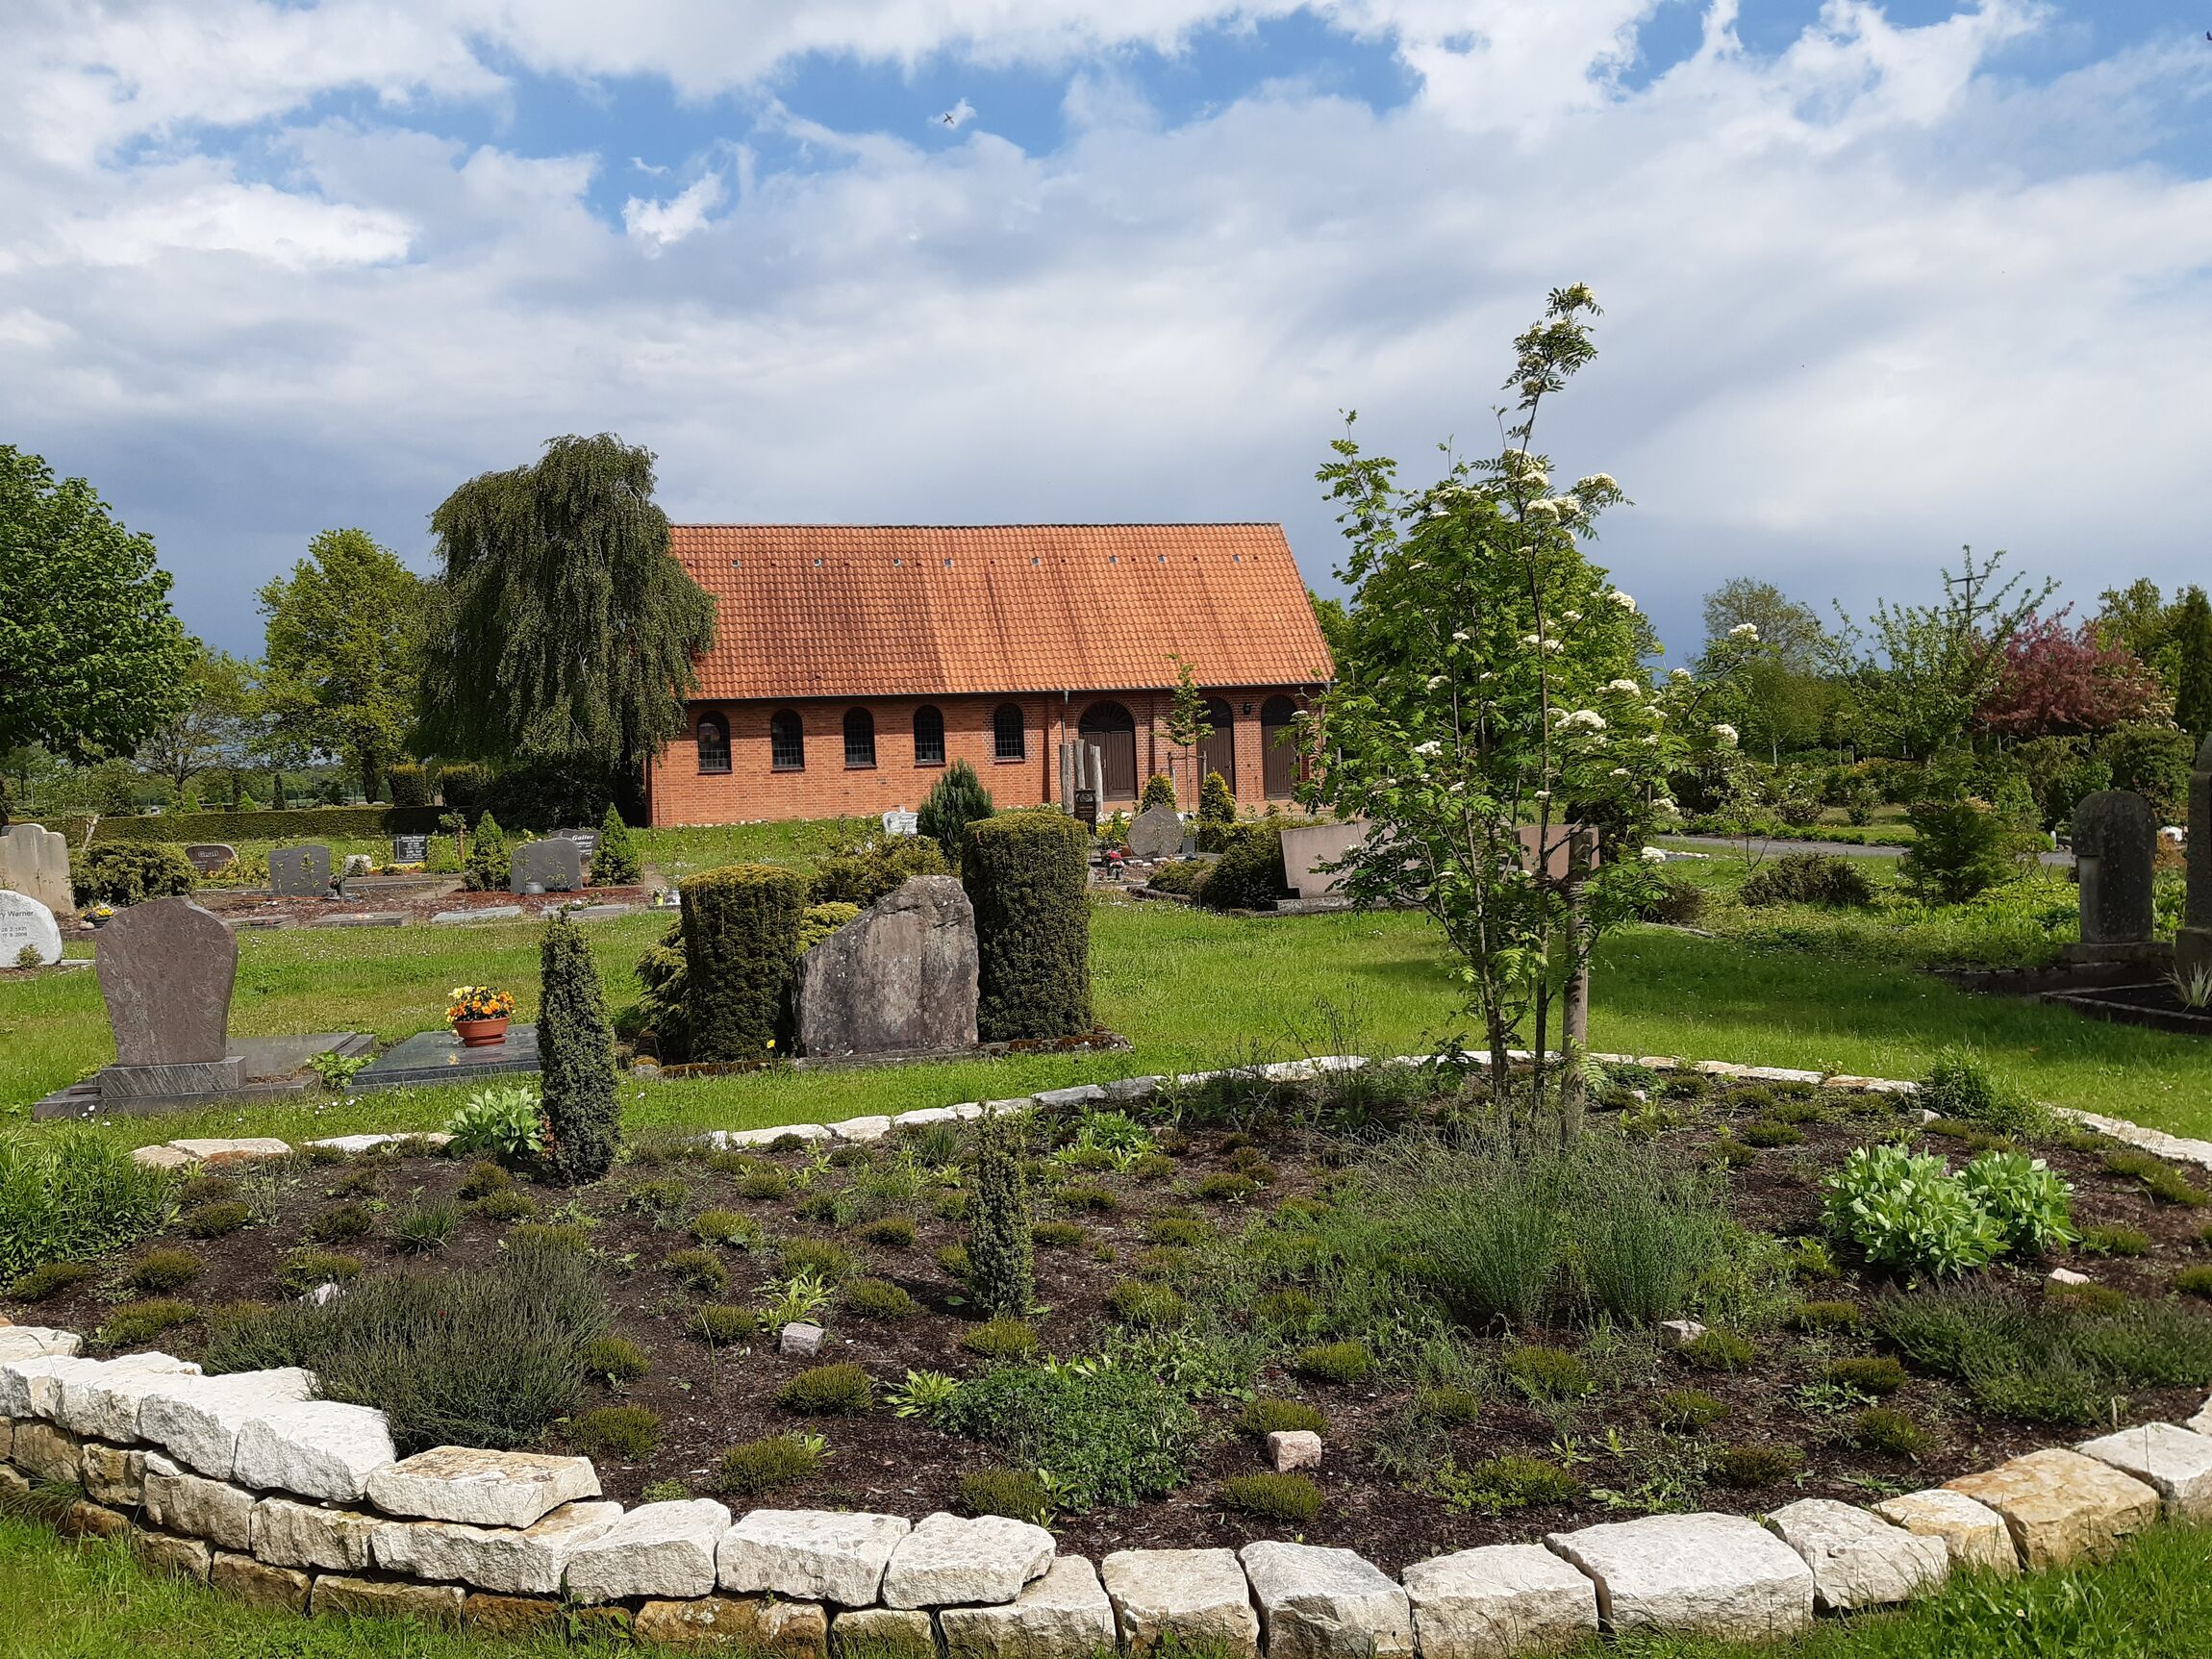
{"points": [[2193, 944], [555, 865], [1155, 833], [208, 856], [166, 970], [35, 860], [2115, 844], [300, 872], [587, 839], [26, 924]]}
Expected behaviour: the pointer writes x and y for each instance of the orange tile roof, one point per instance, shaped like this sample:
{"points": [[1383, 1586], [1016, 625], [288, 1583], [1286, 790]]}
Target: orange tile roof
{"points": [[899, 610]]}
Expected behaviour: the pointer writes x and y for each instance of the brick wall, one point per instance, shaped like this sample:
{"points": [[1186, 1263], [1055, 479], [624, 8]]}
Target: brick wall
{"points": [[752, 789]]}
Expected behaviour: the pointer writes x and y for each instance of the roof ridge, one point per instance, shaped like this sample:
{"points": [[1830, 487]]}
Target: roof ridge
{"points": [[1003, 524]]}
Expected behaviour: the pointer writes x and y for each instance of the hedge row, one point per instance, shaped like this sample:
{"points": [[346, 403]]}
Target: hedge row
{"points": [[291, 825], [1028, 875]]}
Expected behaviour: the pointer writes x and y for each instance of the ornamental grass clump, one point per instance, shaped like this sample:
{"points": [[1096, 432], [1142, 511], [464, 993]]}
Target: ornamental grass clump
{"points": [[1347, 1362], [1111, 1434], [1261, 1418], [629, 1433], [840, 1389], [1018, 1493], [70, 1195], [1286, 1500], [763, 1465]]}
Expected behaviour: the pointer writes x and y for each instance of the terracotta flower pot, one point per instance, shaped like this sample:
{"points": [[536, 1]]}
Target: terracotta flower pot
{"points": [[481, 1032]]}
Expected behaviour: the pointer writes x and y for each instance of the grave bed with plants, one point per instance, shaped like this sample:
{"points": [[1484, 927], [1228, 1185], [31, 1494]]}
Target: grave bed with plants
{"points": [[1475, 1322]]}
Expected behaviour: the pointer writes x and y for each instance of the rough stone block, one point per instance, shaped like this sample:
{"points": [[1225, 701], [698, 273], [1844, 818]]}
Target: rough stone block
{"points": [[871, 1128], [1064, 1614], [481, 1488], [889, 1633], [337, 1594], [201, 1508], [947, 1560], [515, 1562], [34, 1387], [1318, 1604], [510, 1617], [1721, 1575], [801, 1338], [661, 1550], [316, 1449], [2061, 1506], [810, 1555], [2173, 1460], [85, 1518], [2202, 1421], [197, 1419], [289, 1534], [178, 1557], [1290, 1448], [244, 1149], [1196, 1596], [102, 1403], [1858, 1560], [46, 1453], [792, 1629], [113, 1474], [285, 1588], [37, 1342], [14, 1487], [899, 979], [1975, 1534], [1498, 1602], [7, 1437]]}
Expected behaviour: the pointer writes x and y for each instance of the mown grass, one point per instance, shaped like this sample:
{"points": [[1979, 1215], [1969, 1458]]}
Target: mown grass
{"points": [[93, 1601]]}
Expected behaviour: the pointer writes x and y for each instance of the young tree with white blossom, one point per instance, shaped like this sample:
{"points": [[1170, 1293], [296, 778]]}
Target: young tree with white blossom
{"points": [[1495, 686]]}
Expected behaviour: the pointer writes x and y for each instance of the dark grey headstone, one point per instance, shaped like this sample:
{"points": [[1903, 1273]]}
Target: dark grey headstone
{"points": [[208, 856], [1156, 833], [899, 979], [166, 969], [557, 866], [2193, 944], [300, 872], [2115, 844], [586, 840], [410, 848]]}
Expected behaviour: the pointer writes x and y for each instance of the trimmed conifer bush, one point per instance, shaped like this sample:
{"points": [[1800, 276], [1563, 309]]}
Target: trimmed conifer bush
{"points": [[490, 861], [740, 939], [1159, 791], [615, 861], [410, 785], [1028, 876], [576, 1059], [956, 800], [1217, 811], [1000, 1272], [1250, 872]]}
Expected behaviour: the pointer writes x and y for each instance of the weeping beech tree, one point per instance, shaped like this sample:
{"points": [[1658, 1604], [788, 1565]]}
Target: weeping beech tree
{"points": [[562, 631]]}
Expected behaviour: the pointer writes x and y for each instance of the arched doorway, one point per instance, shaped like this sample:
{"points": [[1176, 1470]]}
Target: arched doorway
{"points": [[1218, 752], [1113, 729], [1278, 748]]}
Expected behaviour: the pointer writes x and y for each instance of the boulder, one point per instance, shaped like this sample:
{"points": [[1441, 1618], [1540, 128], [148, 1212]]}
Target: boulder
{"points": [[801, 1338], [33, 1387], [244, 1579], [1975, 1534], [1064, 1614], [791, 1629], [510, 1618], [197, 1419], [946, 1560], [810, 1555], [660, 1550], [525, 1561], [475, 1487], [37, 1342], [1498, 1602], [315, 1448], [2061, 1506], [201, 1508], [1197, 1596], [337, 1595], [1721, 1575], [2178, 1463], [899, 979], [889, 1633], [289, 1534], [1318, 1604], [1858, 1560]]}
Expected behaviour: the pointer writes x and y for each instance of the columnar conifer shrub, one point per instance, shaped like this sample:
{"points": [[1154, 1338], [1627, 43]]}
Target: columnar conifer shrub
{"points": [[576, 1059], [410, 785], [740, 936], [615, 862], [1001, 1275], [489, 860], [1028, 876]]}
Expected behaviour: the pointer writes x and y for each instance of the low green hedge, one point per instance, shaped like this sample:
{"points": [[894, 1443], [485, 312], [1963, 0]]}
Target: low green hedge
{"points": [[291, 825]]}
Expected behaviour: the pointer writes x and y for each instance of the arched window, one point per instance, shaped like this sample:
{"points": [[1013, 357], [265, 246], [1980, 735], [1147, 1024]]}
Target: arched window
{"points": [[928, 736], [1114, 730], [1278, 748], [1218, 752], [1008, 739], [713, 744], [859, 740], [787, 742]]}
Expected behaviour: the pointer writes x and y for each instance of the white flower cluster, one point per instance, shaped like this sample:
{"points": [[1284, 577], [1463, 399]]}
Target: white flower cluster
{"points": [[1626, 688], [1431, 747], [1589, 717], [1622, 599], [1743, 631], [1725, 734], [1654, 855], [1597, 483], [1436, 681]]}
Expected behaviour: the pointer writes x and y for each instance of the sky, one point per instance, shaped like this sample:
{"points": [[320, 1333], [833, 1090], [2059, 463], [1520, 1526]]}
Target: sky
{"points": [[1879, 279]]}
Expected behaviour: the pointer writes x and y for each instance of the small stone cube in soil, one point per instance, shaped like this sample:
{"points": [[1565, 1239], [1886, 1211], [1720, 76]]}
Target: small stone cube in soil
{"points": [[2173, 1460], [1858, 1560], [800, 1338], [1498, 1602], [1709, 1574], [1293, 1448]]}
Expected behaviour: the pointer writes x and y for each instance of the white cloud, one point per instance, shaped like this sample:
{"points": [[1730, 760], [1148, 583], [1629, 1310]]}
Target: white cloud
{"points": [[663, 224]]}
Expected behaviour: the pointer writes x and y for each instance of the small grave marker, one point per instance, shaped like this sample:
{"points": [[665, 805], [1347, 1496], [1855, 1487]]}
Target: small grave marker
{"points": [[208, 856], [552, 865], [300, 872], [25, 923]]}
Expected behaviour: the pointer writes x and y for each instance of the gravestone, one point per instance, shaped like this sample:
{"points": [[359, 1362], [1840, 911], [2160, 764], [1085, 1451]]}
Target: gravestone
{"points": [[300, 872], [587, 839], [899, 979], [1307, 847], [555, 866], [410, 848], [2115, 844], [357, 863], [1155, 833], [166, 969], [2193, 944], [26, 923], [35, 860], [1087, 808], [208, 856], [899, 821]]}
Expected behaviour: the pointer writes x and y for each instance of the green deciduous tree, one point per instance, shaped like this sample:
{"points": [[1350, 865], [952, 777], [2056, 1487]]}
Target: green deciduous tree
{"points": [[562, 630], [343, 647], [91, 657], [1776, 693], [2193, 663], [209, 725], [1188, 723]]}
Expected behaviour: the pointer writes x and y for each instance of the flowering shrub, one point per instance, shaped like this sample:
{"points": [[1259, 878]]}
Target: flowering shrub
{"points": [[478, 1002]]}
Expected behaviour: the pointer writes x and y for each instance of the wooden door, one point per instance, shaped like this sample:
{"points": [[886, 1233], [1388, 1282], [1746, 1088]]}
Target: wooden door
{"points": [[1278, 751], [1114, 730], [1218, 752]]}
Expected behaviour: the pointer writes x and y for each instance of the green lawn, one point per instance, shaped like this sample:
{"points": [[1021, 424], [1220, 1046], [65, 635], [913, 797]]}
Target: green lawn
{"points": [[1190, 990], [93, 1601]]}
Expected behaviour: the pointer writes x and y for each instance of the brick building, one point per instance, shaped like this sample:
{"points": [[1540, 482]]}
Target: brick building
{"points": [[853, 662]]}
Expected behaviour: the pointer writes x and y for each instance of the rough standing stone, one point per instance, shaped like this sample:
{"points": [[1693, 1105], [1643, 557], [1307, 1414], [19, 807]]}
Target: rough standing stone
{"points": [[662, 1549], [197, 1419], [46, 1453], [336, 1596], [2173, 1460], [481, 1487], [801, 1338], [1064, 1614], [27, 926], [946, 1560], [289, 1534], [1290, 1448], [166, 970], [257, 1585], [1857, 1559], [1721, 1575], [792, 1629], [2115, 844], [887, 1633], [1318, 1604], [37, 1342], [1197, 1596], [1155, 833], [2061, 1506], [899, 979], [810, 1555], [300, 872], [316, 1449], [1975, 1534], [114, 1475], [178, 1557], [1499, 1602], [201, 1508], [517, 1562]]}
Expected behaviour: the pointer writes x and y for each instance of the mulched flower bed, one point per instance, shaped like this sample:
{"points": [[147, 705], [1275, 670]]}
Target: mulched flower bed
{"points": [[1258, 1180]]}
